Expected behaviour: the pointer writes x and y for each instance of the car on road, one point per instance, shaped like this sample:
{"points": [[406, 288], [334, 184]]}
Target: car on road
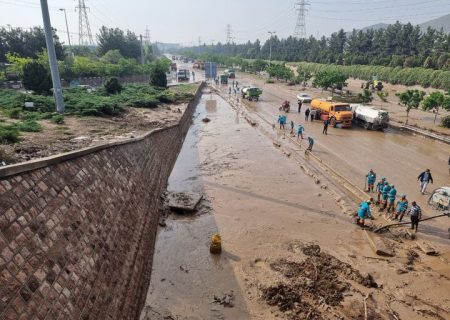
{"points": [[304, 98], [440, 198]]}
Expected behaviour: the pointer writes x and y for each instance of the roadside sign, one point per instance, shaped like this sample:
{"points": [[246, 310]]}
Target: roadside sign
{"points": [[210, 70]]}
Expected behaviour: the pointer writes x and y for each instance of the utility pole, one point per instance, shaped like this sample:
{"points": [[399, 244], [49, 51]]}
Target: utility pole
{"points": [[272, 33], [67, 26], [57, 90], [84, 28], [300, 27], [199, 41], [142, 50]]}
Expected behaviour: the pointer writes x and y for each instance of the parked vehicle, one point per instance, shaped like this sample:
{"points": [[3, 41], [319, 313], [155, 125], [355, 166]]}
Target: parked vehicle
{"points": [[440, 199], [340, 114], [230, 73], [251, 93], [183, 75], [370, 117], [304, 98]]}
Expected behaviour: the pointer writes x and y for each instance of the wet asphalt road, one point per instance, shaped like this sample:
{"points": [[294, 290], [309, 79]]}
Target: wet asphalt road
{"points": [[398, 156]]}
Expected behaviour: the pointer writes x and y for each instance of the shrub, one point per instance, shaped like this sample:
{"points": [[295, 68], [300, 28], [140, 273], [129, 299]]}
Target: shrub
{"points": [[14, 113], [445, 122], [113, 86], [36, 78], [58, 119], [29, 126], [8, 134]]}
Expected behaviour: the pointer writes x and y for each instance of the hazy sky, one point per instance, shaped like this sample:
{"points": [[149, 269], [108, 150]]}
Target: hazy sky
{"points": [[184, 21]]}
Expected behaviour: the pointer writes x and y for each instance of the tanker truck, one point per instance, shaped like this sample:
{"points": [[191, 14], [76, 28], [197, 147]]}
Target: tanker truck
{"points": [[339, 114], [369, 117]]}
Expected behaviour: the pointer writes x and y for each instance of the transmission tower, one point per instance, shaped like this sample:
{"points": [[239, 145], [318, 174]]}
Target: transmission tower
{"points": [[229, 34], [84, 29], [147, 36], [300, 28]]}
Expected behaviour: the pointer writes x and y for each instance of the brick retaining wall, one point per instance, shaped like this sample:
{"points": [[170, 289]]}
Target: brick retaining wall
{"points": [[77, 236]]}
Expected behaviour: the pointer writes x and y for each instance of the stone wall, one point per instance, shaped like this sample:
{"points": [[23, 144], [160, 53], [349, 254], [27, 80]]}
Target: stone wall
{"points": [[77, 232]]}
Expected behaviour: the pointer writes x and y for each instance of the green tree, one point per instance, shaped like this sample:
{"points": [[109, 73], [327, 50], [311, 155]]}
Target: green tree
{"points": [[435, 101], [115, 39], [333, 79], [158, 77], [112, 56], [259, 65], [36, 78], [411, 99]]}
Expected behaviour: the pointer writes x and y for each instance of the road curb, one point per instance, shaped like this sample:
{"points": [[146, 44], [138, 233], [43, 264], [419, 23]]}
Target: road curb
{"points": [[426, 133]]}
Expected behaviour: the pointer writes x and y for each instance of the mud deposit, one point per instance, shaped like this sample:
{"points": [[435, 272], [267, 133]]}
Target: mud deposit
{"points": [[313, 285]]}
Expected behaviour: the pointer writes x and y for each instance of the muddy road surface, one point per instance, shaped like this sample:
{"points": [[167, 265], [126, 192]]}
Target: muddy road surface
{"points": [[398, 156], [288, 250]]}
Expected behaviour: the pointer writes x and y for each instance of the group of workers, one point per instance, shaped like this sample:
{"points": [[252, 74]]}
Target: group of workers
{"points": [[386, 196], [282, 120]]}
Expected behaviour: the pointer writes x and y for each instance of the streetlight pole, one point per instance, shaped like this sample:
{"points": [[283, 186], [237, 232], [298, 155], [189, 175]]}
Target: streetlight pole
{"points": [[270, 46], [67, 26], [57, 90]]}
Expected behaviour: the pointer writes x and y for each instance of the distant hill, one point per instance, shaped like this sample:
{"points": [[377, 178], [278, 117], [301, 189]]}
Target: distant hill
{"points": [[376, 27], [442, 22]]}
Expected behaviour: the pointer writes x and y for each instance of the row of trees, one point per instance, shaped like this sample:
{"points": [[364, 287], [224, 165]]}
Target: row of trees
{"points": [[399, 45]]}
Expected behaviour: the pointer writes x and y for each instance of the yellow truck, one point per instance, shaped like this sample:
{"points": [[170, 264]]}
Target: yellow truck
{"points": [[339, 114]]}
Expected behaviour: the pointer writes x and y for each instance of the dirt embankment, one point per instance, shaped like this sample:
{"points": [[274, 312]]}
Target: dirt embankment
{"points": [[82, 132]]}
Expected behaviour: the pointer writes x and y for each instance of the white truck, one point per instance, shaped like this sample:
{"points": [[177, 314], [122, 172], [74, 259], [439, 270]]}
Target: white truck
{"points": [[369, 117]]}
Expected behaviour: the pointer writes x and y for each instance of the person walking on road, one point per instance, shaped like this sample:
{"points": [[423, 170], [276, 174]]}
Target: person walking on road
{"points": [[391, 199], [282, 121], [300, 107], [416, 214], [307, 112], [402, 206], [312, 115], [193, 76], [311, 143], [364, 212], [424, 178], [326, 122], [292, 127], [300, 130], [379, 188], [371, 177]]}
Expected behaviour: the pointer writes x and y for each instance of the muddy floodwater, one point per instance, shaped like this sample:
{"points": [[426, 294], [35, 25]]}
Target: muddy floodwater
{"points": [[289, 252]]}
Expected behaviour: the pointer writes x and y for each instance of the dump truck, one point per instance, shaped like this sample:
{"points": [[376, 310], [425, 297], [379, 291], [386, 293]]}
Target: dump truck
{"points": [[223, 79], [251, 93], [369, 117], [340, 114], [183, 75]]}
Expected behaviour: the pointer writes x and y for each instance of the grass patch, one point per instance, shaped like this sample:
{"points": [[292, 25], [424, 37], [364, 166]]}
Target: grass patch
{"points": [[28, 126], [9, 134]]}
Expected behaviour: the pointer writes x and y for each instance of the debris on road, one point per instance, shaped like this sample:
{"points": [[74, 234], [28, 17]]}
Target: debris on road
{"points": [[226, 299], [183, 201], [314, 285]]}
